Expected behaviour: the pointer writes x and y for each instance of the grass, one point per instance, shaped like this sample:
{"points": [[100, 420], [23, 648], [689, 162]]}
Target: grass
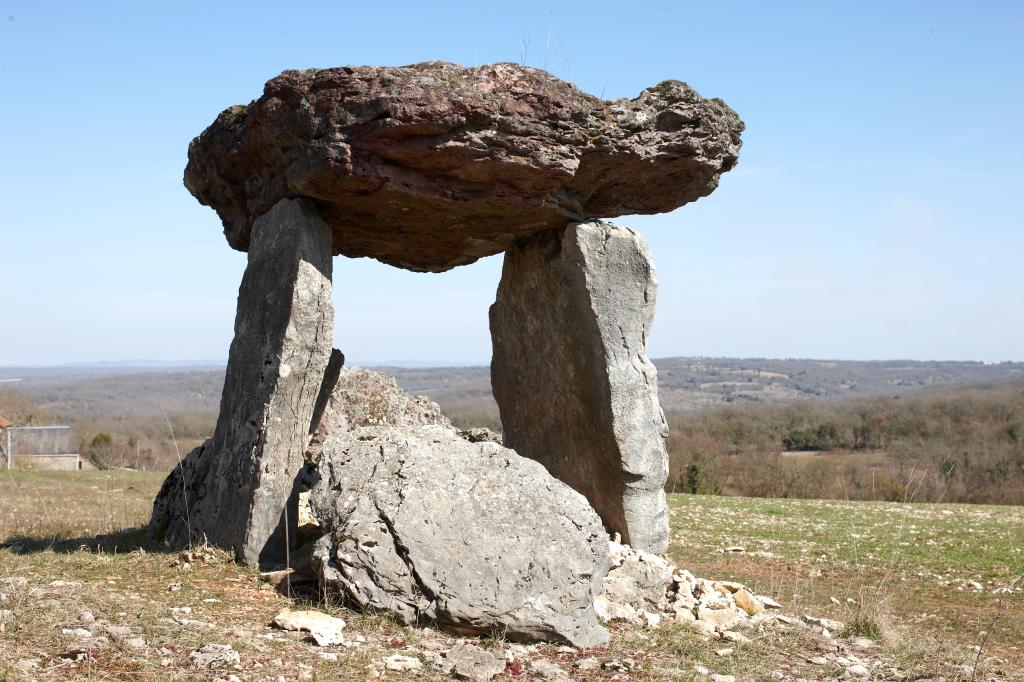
{"points": [[936, 571], [901, 574], [62, 505]]}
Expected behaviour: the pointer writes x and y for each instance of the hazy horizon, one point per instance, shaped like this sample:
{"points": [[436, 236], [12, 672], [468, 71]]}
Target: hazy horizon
{"points": [[204, 364]]}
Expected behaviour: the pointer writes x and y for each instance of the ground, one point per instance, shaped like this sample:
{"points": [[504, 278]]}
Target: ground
{"points": [[924, 581]]}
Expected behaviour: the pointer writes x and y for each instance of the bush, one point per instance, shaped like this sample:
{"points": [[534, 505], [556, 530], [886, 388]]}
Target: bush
{"points": [[963, 444], [101, 450]]}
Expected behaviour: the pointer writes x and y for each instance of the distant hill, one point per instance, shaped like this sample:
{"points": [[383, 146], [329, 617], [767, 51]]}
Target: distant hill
{"points": [[685, 384]]}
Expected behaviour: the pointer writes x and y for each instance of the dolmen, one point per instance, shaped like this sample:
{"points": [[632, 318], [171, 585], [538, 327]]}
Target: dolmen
{"points": [[428, 167]]}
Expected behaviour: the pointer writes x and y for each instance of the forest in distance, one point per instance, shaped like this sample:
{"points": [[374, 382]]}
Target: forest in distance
{"points": [[922, 431]]}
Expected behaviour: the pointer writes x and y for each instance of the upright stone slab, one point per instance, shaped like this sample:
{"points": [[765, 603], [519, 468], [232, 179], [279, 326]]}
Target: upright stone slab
{"points": [[571, 376], [237, 490]]}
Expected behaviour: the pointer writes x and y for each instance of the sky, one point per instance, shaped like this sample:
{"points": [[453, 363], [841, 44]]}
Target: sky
{"points": [[875, 212]]}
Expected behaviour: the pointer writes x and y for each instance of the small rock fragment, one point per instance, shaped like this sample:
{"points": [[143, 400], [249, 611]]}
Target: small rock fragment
{"points": [[747, 602], [858, 670], [685, 616], [214, 656], [611, 611], [26, 665], [734, 637], [721, 619], [467, 661], [652, 620], [546, 670], [135, 643], [81, 633], [118, 632], [323, 628], [400, 663], [637, 578], [824, 623]]}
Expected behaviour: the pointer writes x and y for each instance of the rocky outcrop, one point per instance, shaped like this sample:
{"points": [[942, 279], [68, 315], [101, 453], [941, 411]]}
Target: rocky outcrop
{"points": [[434, 165], [571, 376], [237, 490], [422, 523]]}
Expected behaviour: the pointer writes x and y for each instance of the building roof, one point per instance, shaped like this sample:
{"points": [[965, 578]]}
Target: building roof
{"points": [[4, 423]]}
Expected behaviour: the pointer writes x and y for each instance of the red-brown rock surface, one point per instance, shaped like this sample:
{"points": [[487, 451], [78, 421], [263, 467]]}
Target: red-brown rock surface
{"points": [[435, 165]]}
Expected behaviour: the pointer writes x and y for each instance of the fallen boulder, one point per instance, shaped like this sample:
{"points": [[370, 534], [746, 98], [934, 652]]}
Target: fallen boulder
{"points": [[426, 525]]}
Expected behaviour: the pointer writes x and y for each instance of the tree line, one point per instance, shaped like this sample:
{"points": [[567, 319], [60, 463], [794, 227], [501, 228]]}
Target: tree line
{"points": [[955, 444]]}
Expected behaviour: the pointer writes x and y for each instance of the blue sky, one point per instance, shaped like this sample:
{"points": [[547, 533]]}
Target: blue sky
{"points": [[874, 214]]}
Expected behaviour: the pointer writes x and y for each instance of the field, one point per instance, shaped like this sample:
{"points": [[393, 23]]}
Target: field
{"points": [[939, 571], [925, 581]]}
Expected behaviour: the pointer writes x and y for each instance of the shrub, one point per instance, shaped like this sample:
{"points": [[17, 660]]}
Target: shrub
{"points": [[962, 444]]}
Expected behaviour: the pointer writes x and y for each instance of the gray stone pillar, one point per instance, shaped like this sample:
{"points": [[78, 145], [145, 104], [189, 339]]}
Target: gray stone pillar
{"points": [[238, 489], [571, 376]]}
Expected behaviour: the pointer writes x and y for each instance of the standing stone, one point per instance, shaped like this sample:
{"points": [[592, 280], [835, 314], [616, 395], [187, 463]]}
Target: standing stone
{"points": [[571, 375], [237, 490]]}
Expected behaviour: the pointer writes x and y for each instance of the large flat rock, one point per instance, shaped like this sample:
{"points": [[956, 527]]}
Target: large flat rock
{"points": [[435, 165], [430, 527]]}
